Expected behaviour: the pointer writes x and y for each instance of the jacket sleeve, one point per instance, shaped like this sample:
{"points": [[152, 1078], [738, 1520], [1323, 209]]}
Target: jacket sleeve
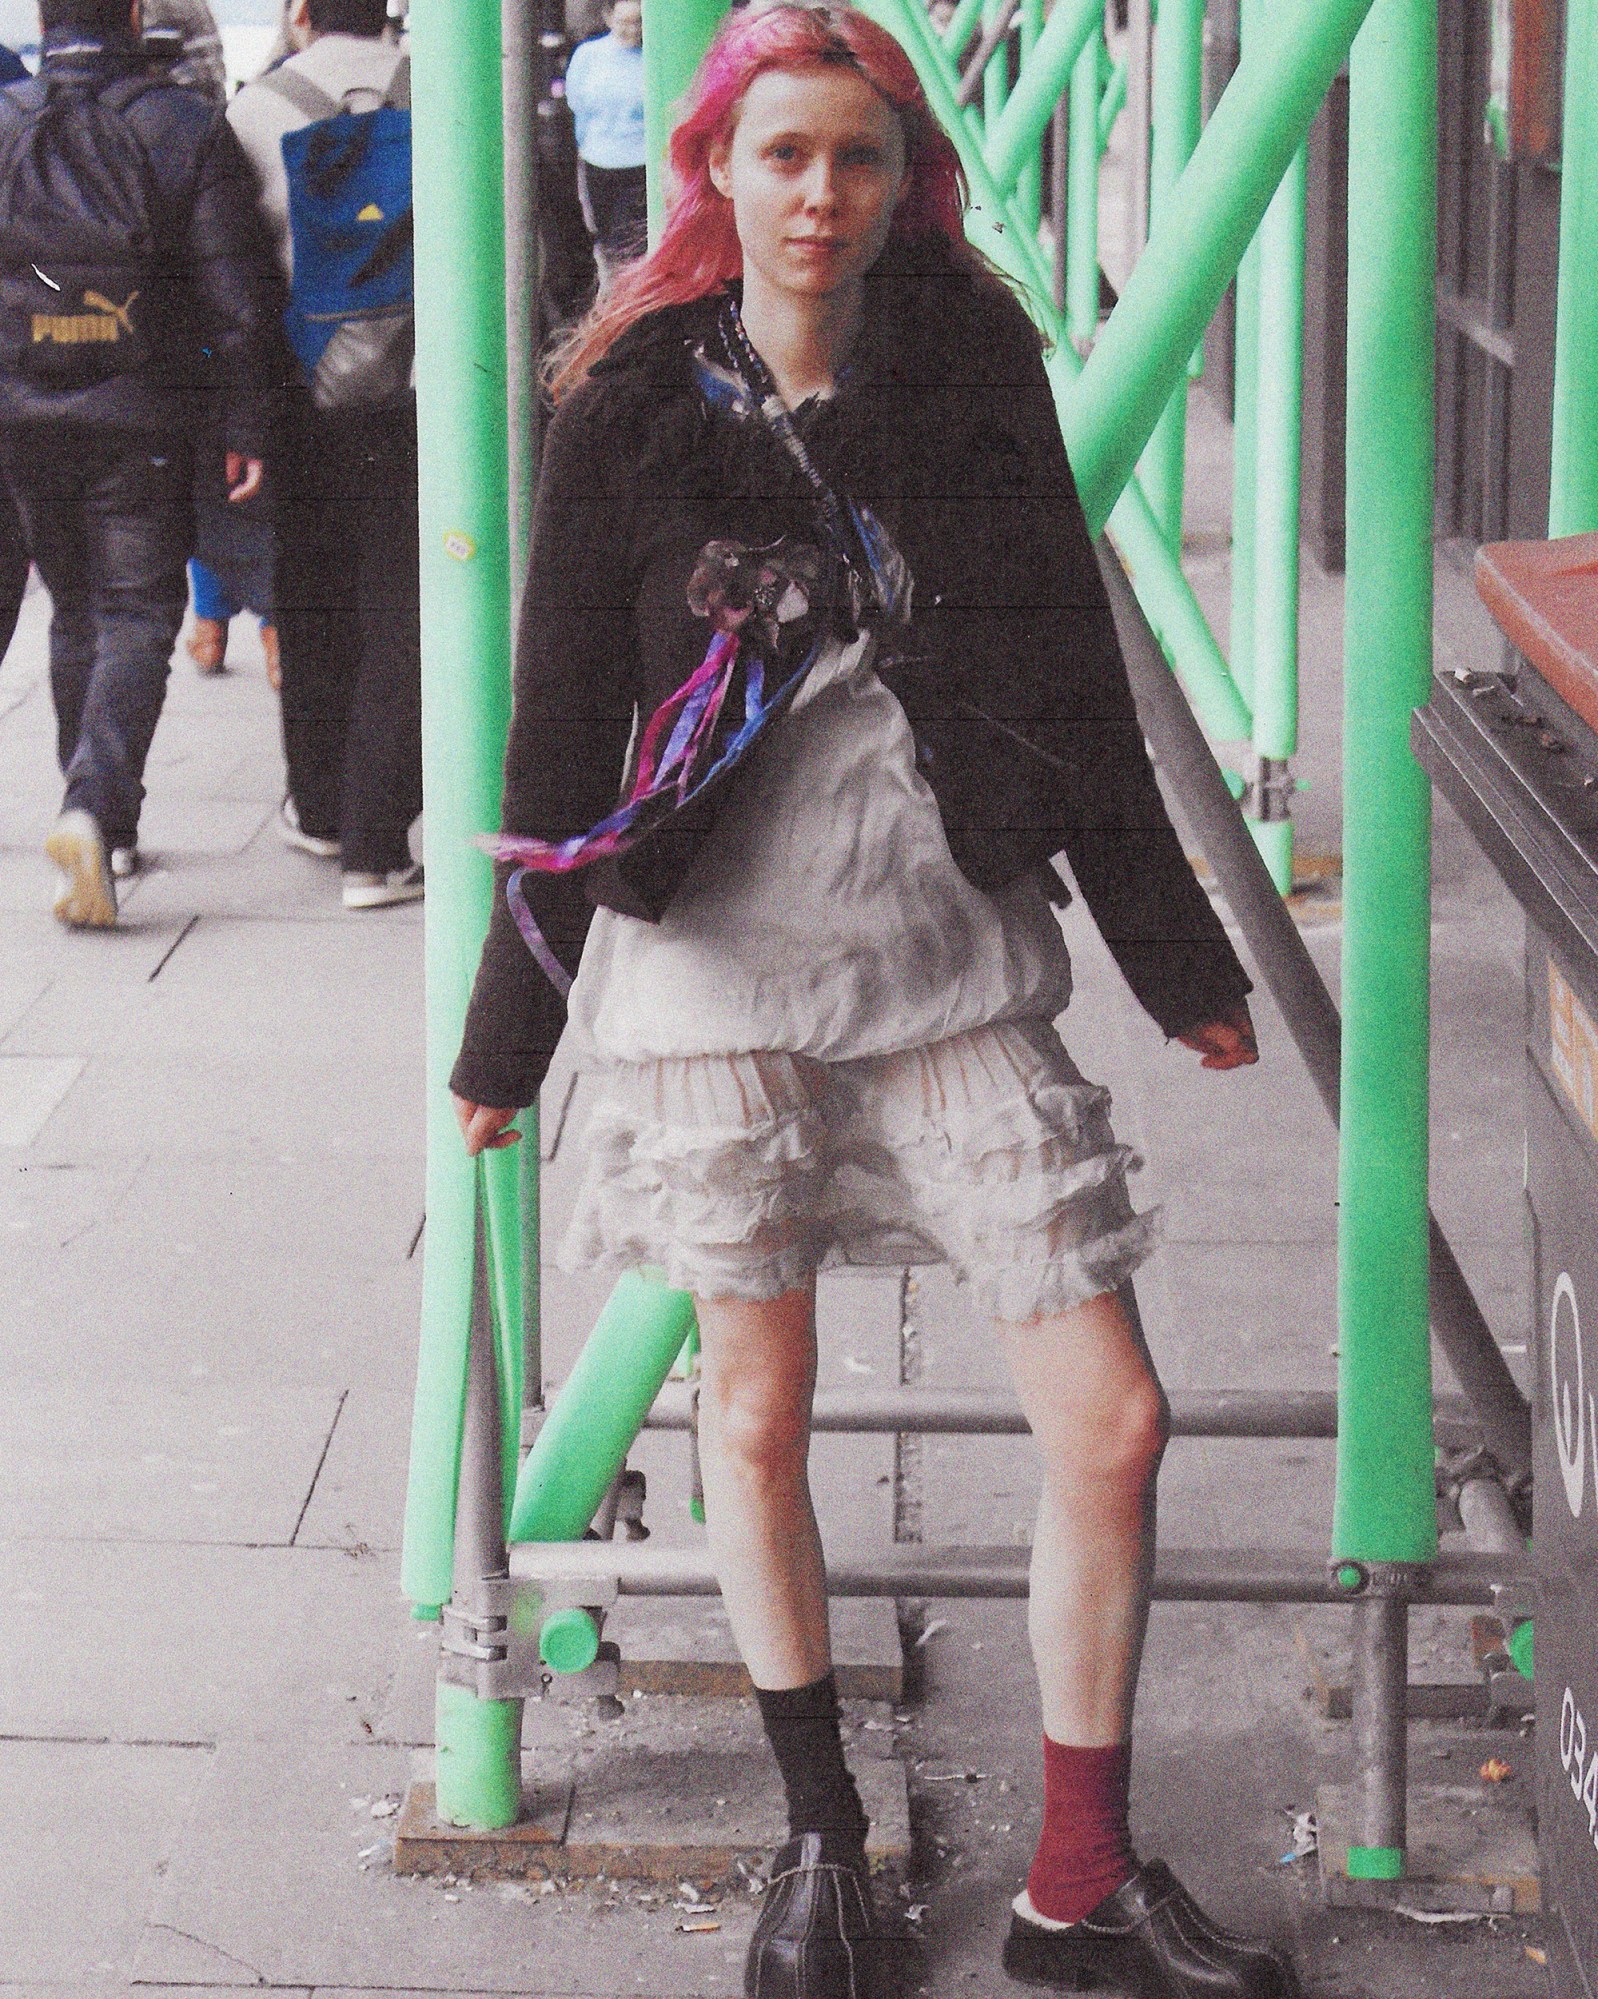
{"points": [[1059, 675], [1160, 925], [238, 291], [576, 682]]}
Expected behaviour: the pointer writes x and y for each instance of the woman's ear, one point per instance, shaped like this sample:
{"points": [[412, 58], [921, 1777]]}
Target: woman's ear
{"points": [[718, 164]]}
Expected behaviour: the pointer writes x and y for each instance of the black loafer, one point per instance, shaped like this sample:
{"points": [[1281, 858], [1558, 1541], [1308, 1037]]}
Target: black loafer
{"points": [[1149, 1940], [817, 1937]]}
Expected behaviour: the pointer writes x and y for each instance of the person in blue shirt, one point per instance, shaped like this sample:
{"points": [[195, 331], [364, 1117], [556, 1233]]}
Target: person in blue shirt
{"points": [[605, 89]]}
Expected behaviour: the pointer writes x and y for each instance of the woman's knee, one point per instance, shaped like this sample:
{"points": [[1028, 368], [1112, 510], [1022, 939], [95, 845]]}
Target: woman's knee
{"points": [[1118, 1439], [757, 1383], [758, 1426]]}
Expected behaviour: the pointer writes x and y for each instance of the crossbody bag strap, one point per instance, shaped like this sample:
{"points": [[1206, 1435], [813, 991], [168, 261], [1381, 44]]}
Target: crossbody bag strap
{"points": [[306, 97]]}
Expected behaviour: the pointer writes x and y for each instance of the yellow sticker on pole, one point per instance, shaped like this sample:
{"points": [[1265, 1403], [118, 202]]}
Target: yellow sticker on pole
{"points": [[458, 545]]}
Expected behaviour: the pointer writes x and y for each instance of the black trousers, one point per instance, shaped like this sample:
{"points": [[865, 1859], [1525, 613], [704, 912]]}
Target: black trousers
{"points": [[349, 627], [618, 208], [13, 567], [108, 517]]}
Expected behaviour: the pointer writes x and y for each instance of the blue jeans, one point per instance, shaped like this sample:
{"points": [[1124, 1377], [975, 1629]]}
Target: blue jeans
{"points": [[108, 517]]}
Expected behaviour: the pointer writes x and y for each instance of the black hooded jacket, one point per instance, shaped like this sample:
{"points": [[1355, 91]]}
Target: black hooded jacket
{"points": [[1011, 675], [222, 334]]}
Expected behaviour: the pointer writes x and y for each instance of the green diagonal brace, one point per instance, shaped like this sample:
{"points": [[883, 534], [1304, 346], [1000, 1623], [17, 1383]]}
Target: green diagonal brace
{"points": [[1164, 592], [1018, 131], [1143, 351]]}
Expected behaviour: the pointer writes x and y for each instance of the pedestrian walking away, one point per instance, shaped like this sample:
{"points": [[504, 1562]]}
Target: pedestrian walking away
{"points": [[136, 283], [347, 590], [816, 677], [605, 89]]}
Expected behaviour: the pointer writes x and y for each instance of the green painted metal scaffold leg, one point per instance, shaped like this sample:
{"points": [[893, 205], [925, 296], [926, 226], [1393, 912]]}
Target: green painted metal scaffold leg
{"points": [[1165, 593], [1385, 1508], [461, 359], [1145, 347], [1082, 194], [676, 35], [1276, 431], [1177, 99], [1573, 495], [478, 1764]]}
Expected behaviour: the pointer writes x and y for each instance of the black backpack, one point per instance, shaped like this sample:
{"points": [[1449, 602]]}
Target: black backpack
{"points": [[82, 293]]}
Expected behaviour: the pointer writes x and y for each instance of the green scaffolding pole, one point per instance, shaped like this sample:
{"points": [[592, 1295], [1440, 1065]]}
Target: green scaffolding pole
{"points": [[963, 24], [1385, 1507], [1573, 493], [1029, 183], [1164, 592], [1144, 349], [1013, 138], [1277, 430], [462, 425], [996, 75], [1177, 100], [1082, 194], [676, 35]]}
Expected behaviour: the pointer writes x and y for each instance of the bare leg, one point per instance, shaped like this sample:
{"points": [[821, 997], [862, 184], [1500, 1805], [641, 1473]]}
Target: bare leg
{"points": [[1099, 1420], [759, 1375]]}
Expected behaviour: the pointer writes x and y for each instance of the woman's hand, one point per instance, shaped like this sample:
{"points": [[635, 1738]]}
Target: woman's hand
{"points": [[1225, 1044], [485, 1127]]}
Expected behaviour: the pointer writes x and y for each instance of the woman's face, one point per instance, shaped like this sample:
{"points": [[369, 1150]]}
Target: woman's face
{"points": [[814, 169]]}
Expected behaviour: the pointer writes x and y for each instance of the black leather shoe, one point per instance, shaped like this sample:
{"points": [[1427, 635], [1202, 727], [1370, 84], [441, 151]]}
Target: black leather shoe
{"points": [[1149, 1940], [817, 1937]]}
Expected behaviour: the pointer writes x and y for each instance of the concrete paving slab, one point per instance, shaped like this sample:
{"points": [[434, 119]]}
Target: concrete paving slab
{"points": [[31, 1087], [234, 1103], [199, 1463], [360, 1492], [102, 1821], [355, 1210], [186, 1643], [273, 1831], [38, 948], [125, 1307], [50, 1204]]}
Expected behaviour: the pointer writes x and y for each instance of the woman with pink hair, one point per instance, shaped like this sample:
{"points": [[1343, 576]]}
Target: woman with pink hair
{"points": [[816, 675]]}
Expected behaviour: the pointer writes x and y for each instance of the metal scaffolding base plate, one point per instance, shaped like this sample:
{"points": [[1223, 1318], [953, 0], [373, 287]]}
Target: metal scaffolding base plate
{"points": [[684, 1645], [424, 1844], [646, 1816], [1471, 1847]]}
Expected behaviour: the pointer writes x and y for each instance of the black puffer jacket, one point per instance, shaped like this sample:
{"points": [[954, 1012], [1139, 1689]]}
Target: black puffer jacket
{"points": [[1012, 677], [222, 316]]}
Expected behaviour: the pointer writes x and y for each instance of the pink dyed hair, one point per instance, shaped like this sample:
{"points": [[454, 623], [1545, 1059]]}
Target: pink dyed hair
{"points": [[698, 249]]}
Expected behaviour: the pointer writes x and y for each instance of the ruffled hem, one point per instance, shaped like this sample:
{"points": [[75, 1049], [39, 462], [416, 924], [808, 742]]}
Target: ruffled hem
{"points": [[1018, 1184], [1021, 1291]]}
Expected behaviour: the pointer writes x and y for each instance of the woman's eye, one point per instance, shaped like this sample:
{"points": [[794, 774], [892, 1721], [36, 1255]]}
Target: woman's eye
{"points": [[783, 153]]}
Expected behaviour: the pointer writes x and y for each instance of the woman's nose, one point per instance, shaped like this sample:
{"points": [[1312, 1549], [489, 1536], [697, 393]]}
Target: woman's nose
{"points": [[820, 188]]}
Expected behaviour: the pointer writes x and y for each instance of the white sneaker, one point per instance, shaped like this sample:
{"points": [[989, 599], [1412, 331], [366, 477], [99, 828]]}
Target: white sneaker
{"points": [[125, 863], [371, 891], [87, 898], [293, 834]]}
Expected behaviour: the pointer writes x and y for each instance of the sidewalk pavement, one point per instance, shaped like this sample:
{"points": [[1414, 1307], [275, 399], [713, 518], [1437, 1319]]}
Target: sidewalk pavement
{"points": [[211, 1695]]}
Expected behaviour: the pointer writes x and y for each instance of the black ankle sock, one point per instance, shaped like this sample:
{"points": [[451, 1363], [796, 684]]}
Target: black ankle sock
{"points": [[802, 1725]]}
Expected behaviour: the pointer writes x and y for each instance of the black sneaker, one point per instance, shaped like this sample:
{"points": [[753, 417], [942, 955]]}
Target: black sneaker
{"points": [[1149, 1940], [818, 1937]]}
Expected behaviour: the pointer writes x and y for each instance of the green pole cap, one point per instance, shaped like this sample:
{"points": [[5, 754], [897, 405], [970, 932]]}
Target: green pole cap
{"points": [[569, 1641], [427, 1613], [1350, 1576], [1375, 1863], [1520, 1647]]}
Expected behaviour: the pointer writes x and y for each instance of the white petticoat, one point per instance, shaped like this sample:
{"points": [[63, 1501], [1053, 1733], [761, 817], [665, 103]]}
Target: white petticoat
{"points": [[742, 1175]]}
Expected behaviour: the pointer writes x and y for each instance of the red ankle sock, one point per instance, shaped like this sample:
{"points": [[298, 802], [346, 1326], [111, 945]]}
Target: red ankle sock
{"points": [[1085, 1851]]}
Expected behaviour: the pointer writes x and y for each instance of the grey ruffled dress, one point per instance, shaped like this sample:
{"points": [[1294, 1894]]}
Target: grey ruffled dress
{"points": [[834, 1050]]}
